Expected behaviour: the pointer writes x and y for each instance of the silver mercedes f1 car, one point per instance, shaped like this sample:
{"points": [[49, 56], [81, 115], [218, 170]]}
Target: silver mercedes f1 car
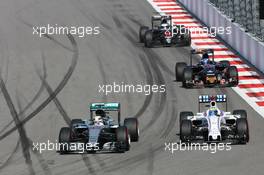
{"points": [[100, 132]]}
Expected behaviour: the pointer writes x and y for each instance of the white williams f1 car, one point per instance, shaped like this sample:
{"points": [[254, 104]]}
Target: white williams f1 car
{"points": [[214, 125]]}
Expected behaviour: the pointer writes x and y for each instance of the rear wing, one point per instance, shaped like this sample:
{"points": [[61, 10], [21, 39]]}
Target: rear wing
{"points": [[206, 99], [160, 17], [113, 106], [201, 51], [156, 17]]}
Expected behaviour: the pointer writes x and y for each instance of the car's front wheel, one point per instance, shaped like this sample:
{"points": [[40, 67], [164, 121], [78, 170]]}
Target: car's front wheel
{"points": [[242, 130], [185, 130], [184, 115], [132, 127], [64, 139], [123, 138], [241, 112]]}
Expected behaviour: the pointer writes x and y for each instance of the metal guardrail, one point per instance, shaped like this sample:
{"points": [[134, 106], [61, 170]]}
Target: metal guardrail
{"points": [[243, 12]]}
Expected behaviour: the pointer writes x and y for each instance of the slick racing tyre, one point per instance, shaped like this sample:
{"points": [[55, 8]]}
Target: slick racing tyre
{"points": [[148, 39], [185, 130], [123, 138], [179, 68], [132, 127], [233, 73], [187, 77], [142, 31], [242, 130], [184, 115], [241, 112], [64, 139], [187, 38]]}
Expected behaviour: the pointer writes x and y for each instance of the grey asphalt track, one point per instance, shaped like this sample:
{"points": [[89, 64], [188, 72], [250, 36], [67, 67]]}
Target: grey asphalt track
{"points": [[36, 69]]}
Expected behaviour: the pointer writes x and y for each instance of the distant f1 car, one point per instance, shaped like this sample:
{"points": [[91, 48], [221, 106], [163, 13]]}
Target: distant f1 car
{"points": [[100, 133], [214, 125], [164, 33], [207, 72]]}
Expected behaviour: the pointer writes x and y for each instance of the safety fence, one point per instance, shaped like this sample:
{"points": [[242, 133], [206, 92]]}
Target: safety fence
{"points": [[243, 12], [244, 43]]}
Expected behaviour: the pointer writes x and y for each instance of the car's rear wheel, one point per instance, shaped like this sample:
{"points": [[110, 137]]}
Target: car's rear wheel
{"points": [[148, 39], [64, 139], [132, 127], [142, 32], [233, 74], [179, 68], [242, 130], [187, 38], [187, 77], [241, 112], [185, 130]]}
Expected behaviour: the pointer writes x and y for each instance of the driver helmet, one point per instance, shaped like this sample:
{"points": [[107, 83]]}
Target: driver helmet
{"points": [[100, 112], [165, 26], [98, 119], [213, 110], [163, 21], [205, 59]]}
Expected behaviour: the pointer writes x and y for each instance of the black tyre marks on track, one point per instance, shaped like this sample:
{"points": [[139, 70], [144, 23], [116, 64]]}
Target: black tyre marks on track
{"points": [[21, 116], [149, 62], [31, 102], [39, 108], [52, 38], [160, 81], [22, 133], [56, 91], [41, 160], [151, 160], [63, 113], [171, 123], [153, 74], [149, 79], [67, 119], [10, 157]]}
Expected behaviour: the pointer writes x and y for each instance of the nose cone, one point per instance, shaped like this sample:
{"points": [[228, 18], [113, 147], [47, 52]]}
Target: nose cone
{"points": [[215, 136], [214, 128]]}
